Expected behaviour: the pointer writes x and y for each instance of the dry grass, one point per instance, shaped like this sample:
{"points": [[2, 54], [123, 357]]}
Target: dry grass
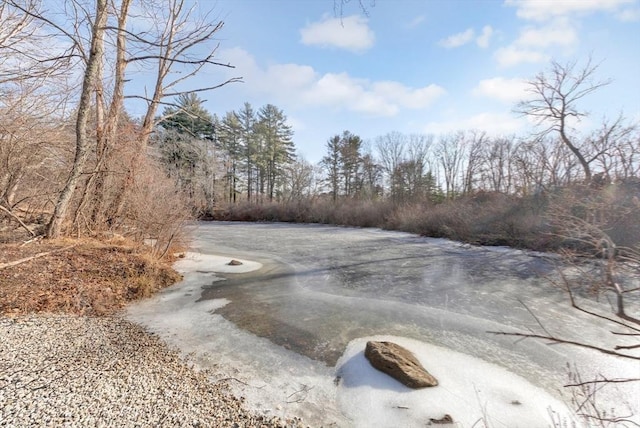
{"points": [[486, 218], [78, 276]]}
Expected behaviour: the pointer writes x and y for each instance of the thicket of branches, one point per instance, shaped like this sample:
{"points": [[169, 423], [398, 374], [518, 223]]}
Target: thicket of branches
{"points": [[73, 161]]}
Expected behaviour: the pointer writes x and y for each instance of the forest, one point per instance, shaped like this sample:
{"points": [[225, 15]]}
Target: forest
{"points": [[465, 185]]}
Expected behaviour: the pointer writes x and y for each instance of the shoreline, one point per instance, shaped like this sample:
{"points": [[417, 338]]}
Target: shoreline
{"points": [[69, 370]]}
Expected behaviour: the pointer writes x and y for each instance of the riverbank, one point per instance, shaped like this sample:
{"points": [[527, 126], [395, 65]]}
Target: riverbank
{"points": [[78, 276], [68, 358], [68, 370]]}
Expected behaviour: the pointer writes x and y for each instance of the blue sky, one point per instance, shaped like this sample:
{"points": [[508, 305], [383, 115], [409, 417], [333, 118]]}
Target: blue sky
{"points": [[429, 66]]}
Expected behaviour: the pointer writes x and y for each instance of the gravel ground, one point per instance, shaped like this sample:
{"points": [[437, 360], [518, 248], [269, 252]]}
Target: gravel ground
{"points": [[75, 371]]}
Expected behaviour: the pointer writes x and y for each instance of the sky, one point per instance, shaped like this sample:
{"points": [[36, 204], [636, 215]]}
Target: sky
{"points": [[417, 66]]}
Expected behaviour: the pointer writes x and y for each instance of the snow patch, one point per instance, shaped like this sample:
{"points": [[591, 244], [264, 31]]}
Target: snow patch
{"points": [[210, 263], [470, 390]]}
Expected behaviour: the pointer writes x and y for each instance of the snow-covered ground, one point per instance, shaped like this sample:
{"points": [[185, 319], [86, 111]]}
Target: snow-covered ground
{"points": [[484, 380], [471, 391], [209, 263]]}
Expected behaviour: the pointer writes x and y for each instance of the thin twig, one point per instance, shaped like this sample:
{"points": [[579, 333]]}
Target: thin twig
{"points": [[603, 380], [566, 342], [534, 317], [224, 379]]}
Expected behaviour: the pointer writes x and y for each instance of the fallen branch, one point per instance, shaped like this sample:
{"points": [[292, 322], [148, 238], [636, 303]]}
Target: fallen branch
{"points": [[26, 259], [34, 239], [16, 218]]}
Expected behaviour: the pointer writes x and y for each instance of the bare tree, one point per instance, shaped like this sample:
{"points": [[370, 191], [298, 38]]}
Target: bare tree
{"points": [[32, 147], [451, 153], [391, 149], [600, 221], [54, 227], [27, 52], [177, 47], [33, 96], [475, 142], [608, 147], [628, 156], [554, 103], [299, 178], [499, 171], [371, 177]]}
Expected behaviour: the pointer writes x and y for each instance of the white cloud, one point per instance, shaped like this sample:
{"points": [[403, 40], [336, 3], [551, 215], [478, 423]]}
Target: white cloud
{"points": [[458, 39], [384, 98], [301, 84], [554, 26], [533, 42], [494, 124], [514, 55], [406, 96], [540, 10], [499, 88], [341, 90], [243, 63], [351, 33], [296, 123], [558, 33], [467, 36], [484, 38], [291, 76]]}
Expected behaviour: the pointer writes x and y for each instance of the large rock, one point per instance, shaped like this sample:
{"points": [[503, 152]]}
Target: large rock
{"points": [[399, 363]]}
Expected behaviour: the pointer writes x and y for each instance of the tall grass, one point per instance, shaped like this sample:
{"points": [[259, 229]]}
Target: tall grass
{"points": [[482, 218]]}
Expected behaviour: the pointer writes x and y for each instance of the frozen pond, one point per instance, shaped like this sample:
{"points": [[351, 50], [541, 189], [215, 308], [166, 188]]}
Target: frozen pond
{"points": [[289, 317]]}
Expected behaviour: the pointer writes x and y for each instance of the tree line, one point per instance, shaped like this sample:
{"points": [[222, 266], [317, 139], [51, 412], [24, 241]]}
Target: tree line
{"points": [[250, 155], [243, 154]]}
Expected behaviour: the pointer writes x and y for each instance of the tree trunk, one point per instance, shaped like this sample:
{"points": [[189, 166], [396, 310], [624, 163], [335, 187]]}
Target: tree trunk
{"points": [[164, 65], [583, 162], [115, 110], [95, 56]]}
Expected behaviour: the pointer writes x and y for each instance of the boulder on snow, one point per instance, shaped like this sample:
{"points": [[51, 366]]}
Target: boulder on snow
{"points": [[399, 363], [234, 263]]}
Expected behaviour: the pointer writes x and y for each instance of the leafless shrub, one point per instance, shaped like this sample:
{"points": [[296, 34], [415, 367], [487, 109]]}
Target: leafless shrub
{"points": [[585, 399], [155, 211]]}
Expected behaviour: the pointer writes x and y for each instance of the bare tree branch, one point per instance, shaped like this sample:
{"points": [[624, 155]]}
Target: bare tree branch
{"points": [[556, 340]]}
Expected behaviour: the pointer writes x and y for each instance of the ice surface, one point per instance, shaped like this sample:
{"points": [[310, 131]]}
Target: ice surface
{"points": [[315, 293], [273, 380], [276, 381]]}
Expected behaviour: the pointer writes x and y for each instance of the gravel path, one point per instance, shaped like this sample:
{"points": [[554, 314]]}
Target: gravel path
{"points": [[68, 371]]}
